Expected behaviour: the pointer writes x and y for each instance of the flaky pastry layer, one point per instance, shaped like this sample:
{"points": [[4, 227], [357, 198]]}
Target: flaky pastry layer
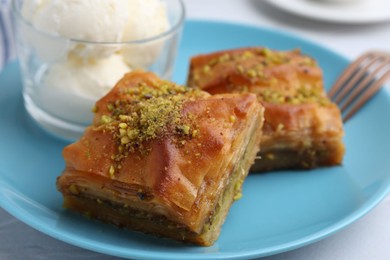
{"points": [[175, 178], [303, 128]]}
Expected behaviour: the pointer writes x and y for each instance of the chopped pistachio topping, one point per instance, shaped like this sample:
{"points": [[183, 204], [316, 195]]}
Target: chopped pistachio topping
{"points": [[111, 171], [185, 129], [125, 140], [73, 189], [237, 196], [238, 190], [262, 57], [195, 133], [225, 57], [110, 107], [267, 52], [105, 119], [123, 125], [256, 65], [251, 73], [275, 57], [247, 55], [303, 95], [280, 127], [206, 69], [240, 68], [146, 112], [308, 61]]}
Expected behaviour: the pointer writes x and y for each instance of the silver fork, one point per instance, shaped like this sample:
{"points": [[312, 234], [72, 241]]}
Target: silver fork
{"points": [[360, 81]]}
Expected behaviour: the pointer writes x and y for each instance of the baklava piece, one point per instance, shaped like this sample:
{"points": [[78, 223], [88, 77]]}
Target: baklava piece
{"points": [[162, 158], [303, 129]]}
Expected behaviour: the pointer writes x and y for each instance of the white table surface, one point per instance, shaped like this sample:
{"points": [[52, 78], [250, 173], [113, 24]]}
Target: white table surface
{"points": [[367, 238]]}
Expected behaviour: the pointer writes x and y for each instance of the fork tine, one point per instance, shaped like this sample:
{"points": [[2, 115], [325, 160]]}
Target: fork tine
{"points": [[367, 95], [346, 74], [355, 78], [358, 89]]}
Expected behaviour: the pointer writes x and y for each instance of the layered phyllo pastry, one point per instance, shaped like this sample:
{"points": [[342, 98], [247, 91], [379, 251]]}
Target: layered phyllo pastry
{"points": [[303, 129], [162, 158]]}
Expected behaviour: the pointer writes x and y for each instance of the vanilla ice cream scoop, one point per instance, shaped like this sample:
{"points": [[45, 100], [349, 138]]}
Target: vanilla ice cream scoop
{"points": [[147, 18], [69, 91], [90, 20], [86, 20], [102, 21], [91, 80]]}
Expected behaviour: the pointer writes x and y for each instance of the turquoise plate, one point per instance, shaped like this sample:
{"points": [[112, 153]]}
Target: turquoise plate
{"points": [[278, 212]]}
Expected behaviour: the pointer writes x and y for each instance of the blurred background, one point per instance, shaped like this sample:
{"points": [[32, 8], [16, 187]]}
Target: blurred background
{"points": [[349, 29]]}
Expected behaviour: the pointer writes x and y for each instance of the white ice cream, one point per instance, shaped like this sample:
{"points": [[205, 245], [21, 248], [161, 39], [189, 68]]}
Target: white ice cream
{"points": [[69, 91], [80, 70], [99, 21], [82, 80], [150, 14], [102, 20], [87, 20]]}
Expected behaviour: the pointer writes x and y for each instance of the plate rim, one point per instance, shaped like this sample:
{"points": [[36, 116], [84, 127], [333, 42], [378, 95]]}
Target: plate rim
{"points": [[289, 8], [144, 254]]}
